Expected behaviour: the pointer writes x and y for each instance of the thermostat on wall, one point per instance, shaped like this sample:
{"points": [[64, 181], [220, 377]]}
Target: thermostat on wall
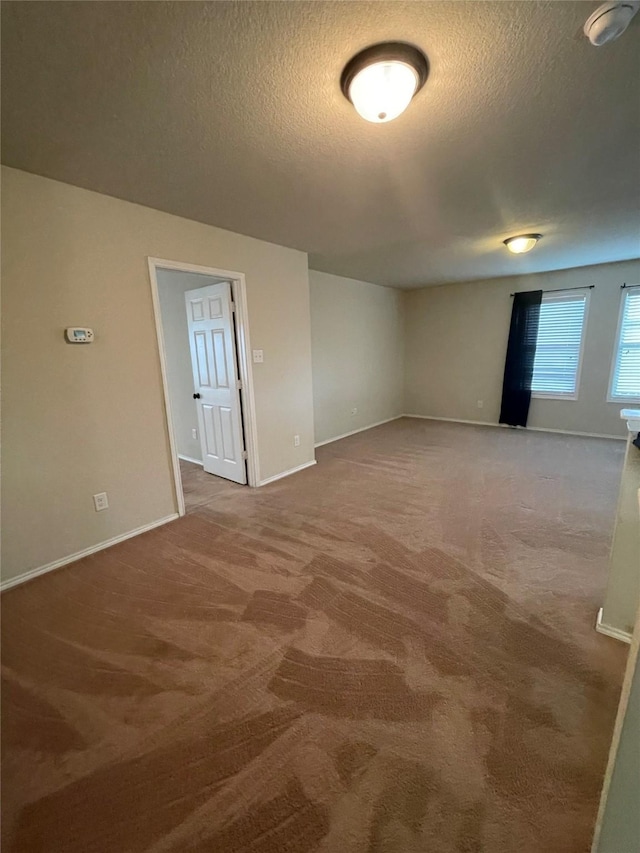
{"points": [[76, 335]]}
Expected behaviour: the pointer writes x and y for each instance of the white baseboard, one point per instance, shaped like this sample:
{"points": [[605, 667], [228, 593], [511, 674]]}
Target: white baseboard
{"points": [[450, 420], [506, 426], [362, 429], [57, 564], [575, 432], [287, 473], [609, 631], [190, 459]]}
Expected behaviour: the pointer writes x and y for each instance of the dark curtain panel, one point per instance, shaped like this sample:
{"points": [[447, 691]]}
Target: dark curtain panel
{"points": [[521, 351]]}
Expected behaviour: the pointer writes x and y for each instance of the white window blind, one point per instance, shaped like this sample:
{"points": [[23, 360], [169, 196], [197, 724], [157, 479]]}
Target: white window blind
{"points": [[556, 367], [625, 377]]}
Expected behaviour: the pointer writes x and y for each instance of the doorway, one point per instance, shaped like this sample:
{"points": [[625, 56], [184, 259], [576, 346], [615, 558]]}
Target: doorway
{"points": [[203, 343]]}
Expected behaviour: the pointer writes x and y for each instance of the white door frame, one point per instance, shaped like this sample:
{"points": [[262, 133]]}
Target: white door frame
{"points": [[243, 346]]}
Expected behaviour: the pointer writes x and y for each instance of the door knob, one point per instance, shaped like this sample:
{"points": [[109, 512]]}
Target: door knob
{"points": [[196, 396]]}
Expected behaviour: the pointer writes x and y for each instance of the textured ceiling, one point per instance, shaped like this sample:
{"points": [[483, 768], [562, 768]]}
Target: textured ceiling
{"points": [[231, 114]]}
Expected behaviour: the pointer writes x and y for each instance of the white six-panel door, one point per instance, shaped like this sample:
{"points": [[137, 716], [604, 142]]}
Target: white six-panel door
{"points": [[215, 380]]}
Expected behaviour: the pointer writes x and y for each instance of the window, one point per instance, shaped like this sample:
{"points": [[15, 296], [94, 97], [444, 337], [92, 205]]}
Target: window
{"points": [[625, 370], [556, 368]]}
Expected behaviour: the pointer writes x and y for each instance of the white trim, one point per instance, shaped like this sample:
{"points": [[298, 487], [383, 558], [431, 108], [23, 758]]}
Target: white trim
{"points": [[177, 483], [610, 631], [632, 417], [247, 393], [616, 349], [451, 420], [354, 431], [575, 432], [287, 473], [190, 459], [57, 564], [243, 346], [506, 426], [549, 395]]}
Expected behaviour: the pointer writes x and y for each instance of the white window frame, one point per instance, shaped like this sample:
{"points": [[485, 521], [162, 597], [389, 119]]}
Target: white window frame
{"points": [[548, 395], [611, 398]]}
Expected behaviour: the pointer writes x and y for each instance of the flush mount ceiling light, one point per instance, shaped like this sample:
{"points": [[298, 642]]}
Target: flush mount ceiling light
{"points": [[522, 243], [381, 80], [610, 20]]}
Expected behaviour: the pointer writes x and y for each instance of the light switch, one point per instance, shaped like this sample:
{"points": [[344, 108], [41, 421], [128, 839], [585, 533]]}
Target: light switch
{"points": [[258, 356], [101, 501]]}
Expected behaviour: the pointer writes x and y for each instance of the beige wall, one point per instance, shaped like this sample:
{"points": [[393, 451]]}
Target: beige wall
{"points": [[356, 334], [85, 419], [621, 820], [456, 340], [172, 286], [618, 823]]}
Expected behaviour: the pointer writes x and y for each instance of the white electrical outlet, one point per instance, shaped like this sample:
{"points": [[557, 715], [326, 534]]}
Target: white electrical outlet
{"points": [[296, 441], [354, 411], [480, 403], [101, 501], [194, 434], [258, 356]]}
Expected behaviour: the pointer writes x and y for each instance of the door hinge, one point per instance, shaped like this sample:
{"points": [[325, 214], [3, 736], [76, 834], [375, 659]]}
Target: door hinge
{"points": [[245, 455], [239, 385], [233, 306]]}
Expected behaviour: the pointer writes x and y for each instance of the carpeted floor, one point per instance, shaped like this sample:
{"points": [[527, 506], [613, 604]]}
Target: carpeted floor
{"points": [[392, 652]]}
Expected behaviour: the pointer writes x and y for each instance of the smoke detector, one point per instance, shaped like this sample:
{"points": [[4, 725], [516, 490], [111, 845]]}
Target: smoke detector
{"points": [[609, 21]]}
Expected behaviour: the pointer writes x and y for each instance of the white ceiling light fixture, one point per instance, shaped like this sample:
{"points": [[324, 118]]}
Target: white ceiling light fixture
{"points": [[609, 21], [522, 243], [382, 80]]}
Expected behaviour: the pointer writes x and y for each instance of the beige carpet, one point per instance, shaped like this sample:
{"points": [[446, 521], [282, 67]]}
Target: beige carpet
{"points": [[390, 652]]}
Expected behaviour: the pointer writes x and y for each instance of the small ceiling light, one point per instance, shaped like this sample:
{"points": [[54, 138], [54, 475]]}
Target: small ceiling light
{"points": [[610, 20], [381, 80], [522, 243]]}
